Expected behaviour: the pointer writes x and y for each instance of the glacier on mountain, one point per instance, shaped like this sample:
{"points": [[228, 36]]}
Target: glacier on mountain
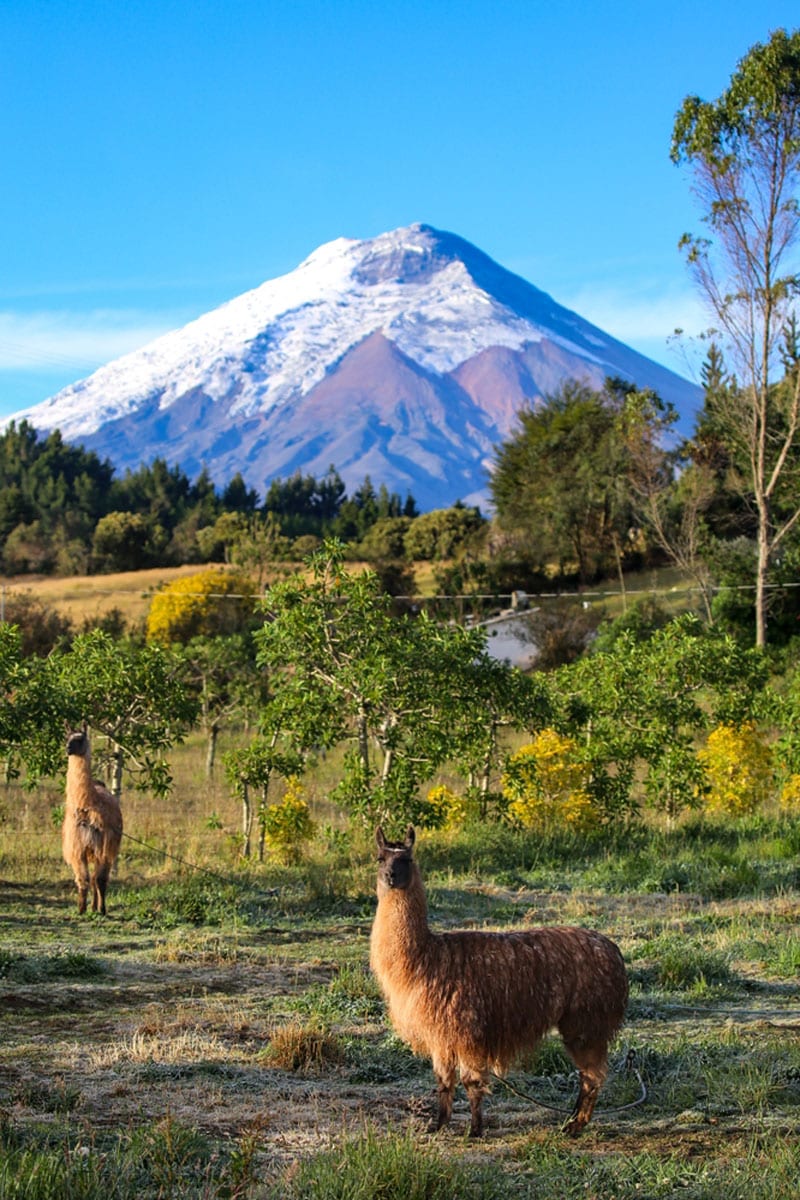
{"points": [[232, 389]]}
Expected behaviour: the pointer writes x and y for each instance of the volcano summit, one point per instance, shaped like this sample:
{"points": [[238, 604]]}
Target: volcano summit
{"points": [[404, 357]]}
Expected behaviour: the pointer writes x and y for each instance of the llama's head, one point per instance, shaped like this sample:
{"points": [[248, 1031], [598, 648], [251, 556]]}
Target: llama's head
{"points": [[395, 861], [78, 742]]}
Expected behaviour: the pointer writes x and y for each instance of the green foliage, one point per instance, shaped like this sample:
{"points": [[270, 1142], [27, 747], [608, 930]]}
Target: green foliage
{"points": [[564, 476], [124, 541], [444, 533], [640, 622], [401, 691], [53, 491], [637, 709], [62, 510], [132, 694]]}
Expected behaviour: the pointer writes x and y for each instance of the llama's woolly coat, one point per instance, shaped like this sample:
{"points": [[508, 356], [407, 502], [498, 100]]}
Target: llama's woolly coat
{"points": [[474, 1001], [92, 816], [485, 997], [92, 829]]}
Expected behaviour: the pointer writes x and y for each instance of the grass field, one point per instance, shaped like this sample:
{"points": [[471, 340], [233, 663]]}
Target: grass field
{"points": [[91, 597], [219, 1034]]}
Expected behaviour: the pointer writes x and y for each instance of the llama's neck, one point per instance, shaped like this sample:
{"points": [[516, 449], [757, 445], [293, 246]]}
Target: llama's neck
{"points": [[79, 781], [400, 931]]}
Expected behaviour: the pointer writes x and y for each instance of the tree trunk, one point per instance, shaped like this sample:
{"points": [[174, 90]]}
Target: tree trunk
{"points": [[620, 572], [363, 742], [262, 821], [762, 576], [211, 752], [116, 783], [247, 821]]}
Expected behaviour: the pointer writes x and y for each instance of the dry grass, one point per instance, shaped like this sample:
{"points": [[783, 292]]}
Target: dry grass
{"points": [[89, 597], [242, 1009]]}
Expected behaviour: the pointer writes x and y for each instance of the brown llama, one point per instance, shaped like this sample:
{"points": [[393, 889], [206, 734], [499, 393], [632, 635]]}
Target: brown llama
{"points": [[92, 828], [473, 1001]]}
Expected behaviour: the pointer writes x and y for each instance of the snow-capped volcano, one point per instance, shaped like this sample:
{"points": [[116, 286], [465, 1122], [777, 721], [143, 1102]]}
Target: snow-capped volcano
{"points": [[405, 357]]}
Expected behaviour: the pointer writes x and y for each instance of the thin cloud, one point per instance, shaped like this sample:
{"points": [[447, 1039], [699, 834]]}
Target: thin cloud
{"points": [[55, 339]]}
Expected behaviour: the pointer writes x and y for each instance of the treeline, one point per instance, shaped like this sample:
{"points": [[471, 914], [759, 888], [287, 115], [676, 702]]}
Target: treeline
{"points": [[63, 511], [672, 719]]}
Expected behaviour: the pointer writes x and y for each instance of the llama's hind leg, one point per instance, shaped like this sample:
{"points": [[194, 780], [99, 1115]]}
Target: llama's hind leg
{"points": [[445, 1088], [99, 885], [592, 1063], [474, 1082]]}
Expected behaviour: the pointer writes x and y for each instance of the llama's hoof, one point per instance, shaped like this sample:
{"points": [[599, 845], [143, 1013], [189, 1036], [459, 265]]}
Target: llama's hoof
{"points": [[573, 1127]]}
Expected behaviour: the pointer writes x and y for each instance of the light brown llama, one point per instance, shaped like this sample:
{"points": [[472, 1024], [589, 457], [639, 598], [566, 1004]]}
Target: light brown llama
{"points": [[475, 1000], [92, 828]]}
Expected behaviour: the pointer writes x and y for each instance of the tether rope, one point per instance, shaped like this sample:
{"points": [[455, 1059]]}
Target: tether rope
{"points": [[630, 1068]]}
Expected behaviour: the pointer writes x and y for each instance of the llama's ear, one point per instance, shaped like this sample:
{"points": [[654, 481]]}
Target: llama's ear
{"points": [[380, 840], [85, 727], [410, 835]]}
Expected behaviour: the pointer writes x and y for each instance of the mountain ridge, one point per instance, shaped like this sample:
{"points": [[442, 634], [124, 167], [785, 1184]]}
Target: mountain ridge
{"points": [[405, 356]]}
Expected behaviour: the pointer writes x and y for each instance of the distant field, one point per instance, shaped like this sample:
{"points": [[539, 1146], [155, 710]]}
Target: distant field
{"points": [[83, 597], [87, 596]]}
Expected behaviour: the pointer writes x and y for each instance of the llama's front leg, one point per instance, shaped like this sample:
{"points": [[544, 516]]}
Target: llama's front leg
{"points": [[475, 1085], [445, 1088], [82, 884]]}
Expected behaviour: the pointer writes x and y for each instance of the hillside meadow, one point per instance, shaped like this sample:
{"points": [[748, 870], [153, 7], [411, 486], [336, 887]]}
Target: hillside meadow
{"points": [[219, 1033], [90, 598]]}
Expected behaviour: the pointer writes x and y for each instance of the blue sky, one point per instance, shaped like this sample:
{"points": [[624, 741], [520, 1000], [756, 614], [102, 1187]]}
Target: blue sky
{"points": [[161, 156]]}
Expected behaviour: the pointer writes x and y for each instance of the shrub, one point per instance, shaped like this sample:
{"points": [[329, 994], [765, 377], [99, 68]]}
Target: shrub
{"points": [[210, 603], [443, 809], [738, 769], [546, 785], [790, 794], [288, 824]]}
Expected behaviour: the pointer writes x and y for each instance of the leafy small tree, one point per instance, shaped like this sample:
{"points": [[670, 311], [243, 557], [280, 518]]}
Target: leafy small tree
{"points": [[635, 710], [444, 533], [126, 541], [343, 668], [252, 768], [131, 694], [222, 674], [743, 150], [562, 478]]}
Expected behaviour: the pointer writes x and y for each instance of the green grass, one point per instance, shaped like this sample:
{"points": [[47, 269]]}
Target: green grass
{"points": [[220, 1034]]}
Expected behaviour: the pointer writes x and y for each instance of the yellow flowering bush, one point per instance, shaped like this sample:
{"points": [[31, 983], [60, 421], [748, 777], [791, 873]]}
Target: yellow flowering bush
{"points": [[445, 808], [546, 785], [737, 766], [288, 824], [209, 602], [790, 795]]}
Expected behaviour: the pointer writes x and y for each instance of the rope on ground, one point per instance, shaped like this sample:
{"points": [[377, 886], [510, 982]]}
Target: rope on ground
{"points": [[184, 863], [628, 1066]]}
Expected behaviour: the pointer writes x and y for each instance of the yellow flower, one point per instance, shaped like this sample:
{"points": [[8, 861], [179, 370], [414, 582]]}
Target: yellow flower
{"points": [[738, 769], [546, 785]]}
